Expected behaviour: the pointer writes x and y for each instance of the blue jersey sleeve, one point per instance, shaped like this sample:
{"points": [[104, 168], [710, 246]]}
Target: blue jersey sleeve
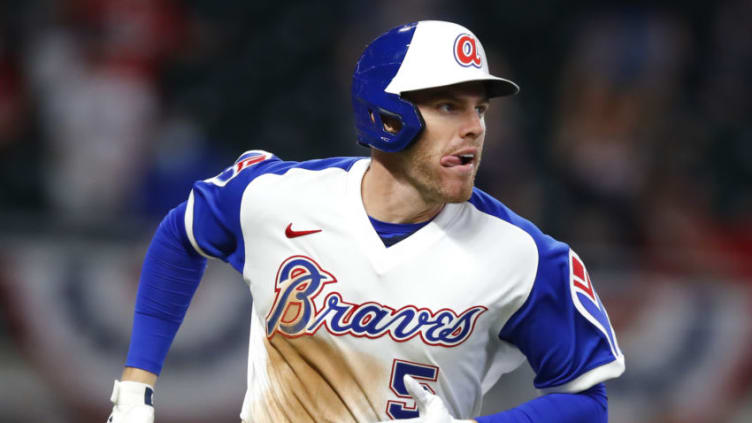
{"points": [[212, 218], [208, 225], [563, 328]]}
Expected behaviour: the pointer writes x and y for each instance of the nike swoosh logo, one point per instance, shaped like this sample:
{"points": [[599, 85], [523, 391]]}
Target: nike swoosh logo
{"points": [[290, 233]]}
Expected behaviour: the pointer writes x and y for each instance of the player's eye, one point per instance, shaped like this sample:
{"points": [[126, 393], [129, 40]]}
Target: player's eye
{"points": [[446, 107], [482, 109]]}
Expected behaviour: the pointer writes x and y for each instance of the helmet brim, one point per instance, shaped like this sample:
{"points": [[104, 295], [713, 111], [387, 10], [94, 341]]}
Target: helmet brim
{"points": [[495, 86]]}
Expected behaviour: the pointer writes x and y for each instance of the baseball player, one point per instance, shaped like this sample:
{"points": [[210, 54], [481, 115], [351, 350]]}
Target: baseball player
{"points": [[384, 287]]}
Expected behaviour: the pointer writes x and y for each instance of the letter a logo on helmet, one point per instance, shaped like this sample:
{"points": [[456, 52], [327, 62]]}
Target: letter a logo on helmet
{"points": [[417, 56], [465, 51]]}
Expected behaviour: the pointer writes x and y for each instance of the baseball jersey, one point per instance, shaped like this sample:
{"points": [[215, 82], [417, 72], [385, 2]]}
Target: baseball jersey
{"points": [[338, 318]]}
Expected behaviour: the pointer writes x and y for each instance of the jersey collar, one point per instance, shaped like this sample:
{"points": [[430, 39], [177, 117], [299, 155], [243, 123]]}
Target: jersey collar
{"points": [[382, 258]]}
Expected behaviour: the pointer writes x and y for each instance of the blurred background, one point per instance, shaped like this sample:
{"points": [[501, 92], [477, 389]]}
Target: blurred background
{"points": [[631, 139]]}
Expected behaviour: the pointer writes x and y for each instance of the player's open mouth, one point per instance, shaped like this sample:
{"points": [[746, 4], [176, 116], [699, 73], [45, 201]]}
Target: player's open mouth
{"points": [[466, 158], [462, 159]]}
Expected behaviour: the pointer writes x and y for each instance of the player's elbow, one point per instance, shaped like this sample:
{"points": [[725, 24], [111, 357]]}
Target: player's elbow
{"points": [[595, 403]]}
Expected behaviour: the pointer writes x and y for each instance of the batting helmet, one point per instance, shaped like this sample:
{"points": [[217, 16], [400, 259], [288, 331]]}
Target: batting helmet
{"points": [[411, 57]]}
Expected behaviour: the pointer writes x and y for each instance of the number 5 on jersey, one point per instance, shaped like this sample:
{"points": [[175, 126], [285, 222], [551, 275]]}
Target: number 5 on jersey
{"points": [[399, 409]]}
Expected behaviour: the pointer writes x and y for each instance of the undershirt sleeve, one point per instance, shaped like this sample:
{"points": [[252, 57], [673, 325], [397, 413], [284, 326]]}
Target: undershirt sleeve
{"points": [[589, 406], [170, 275]]}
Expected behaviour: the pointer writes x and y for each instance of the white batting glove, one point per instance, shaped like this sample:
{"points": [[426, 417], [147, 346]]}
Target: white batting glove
{"points": [[133, 403], [430, 406]]}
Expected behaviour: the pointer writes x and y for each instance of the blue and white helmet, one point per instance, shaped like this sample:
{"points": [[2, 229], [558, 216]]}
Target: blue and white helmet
{"points": [[411, 57]]}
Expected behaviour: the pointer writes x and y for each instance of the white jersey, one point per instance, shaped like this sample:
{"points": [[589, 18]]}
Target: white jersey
{"points": [[338, 318]]}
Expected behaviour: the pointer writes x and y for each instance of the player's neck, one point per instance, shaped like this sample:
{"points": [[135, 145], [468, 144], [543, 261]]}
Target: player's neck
{"points": [[391, 199]]}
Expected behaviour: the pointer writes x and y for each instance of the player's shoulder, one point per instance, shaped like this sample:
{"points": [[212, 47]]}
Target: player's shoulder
{"points": [[580, 349], [548, 247], [254, 163]]}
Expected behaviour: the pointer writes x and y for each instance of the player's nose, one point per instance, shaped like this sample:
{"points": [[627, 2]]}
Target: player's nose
{"points": [[473, 125]]}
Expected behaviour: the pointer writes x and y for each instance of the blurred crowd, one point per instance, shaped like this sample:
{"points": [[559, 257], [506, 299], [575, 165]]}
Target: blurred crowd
{"points": [[632, 127], [632, 131]]}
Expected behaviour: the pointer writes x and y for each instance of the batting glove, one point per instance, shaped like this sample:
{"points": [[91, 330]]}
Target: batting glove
{"points": [[430, 406], [133, 403]]}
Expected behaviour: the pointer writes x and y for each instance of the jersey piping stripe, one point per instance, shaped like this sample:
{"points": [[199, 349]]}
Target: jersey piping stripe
{"points": [[610, 370], [189, 226]]}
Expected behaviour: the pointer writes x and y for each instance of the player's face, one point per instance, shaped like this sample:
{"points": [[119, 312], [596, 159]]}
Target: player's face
{"points": [[443, 161]]}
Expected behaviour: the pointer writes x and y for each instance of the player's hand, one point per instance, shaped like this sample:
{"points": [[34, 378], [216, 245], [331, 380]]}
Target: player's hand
{"points": [[133, 403], [430, 406]]}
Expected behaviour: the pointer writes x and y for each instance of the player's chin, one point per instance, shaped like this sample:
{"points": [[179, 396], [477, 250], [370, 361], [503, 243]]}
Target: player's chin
{"points": [[458, 193], [457, 183]]}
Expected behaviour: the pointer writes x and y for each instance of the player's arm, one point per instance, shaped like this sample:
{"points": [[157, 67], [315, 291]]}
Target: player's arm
{"points": [[206, 225], [589, 406], [170, 275], [565, 334], [134, 374]]}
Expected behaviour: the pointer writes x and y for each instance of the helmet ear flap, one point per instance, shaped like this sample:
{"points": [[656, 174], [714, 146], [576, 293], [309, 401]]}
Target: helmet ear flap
{"points": [[384, 129], [384, 120]]}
